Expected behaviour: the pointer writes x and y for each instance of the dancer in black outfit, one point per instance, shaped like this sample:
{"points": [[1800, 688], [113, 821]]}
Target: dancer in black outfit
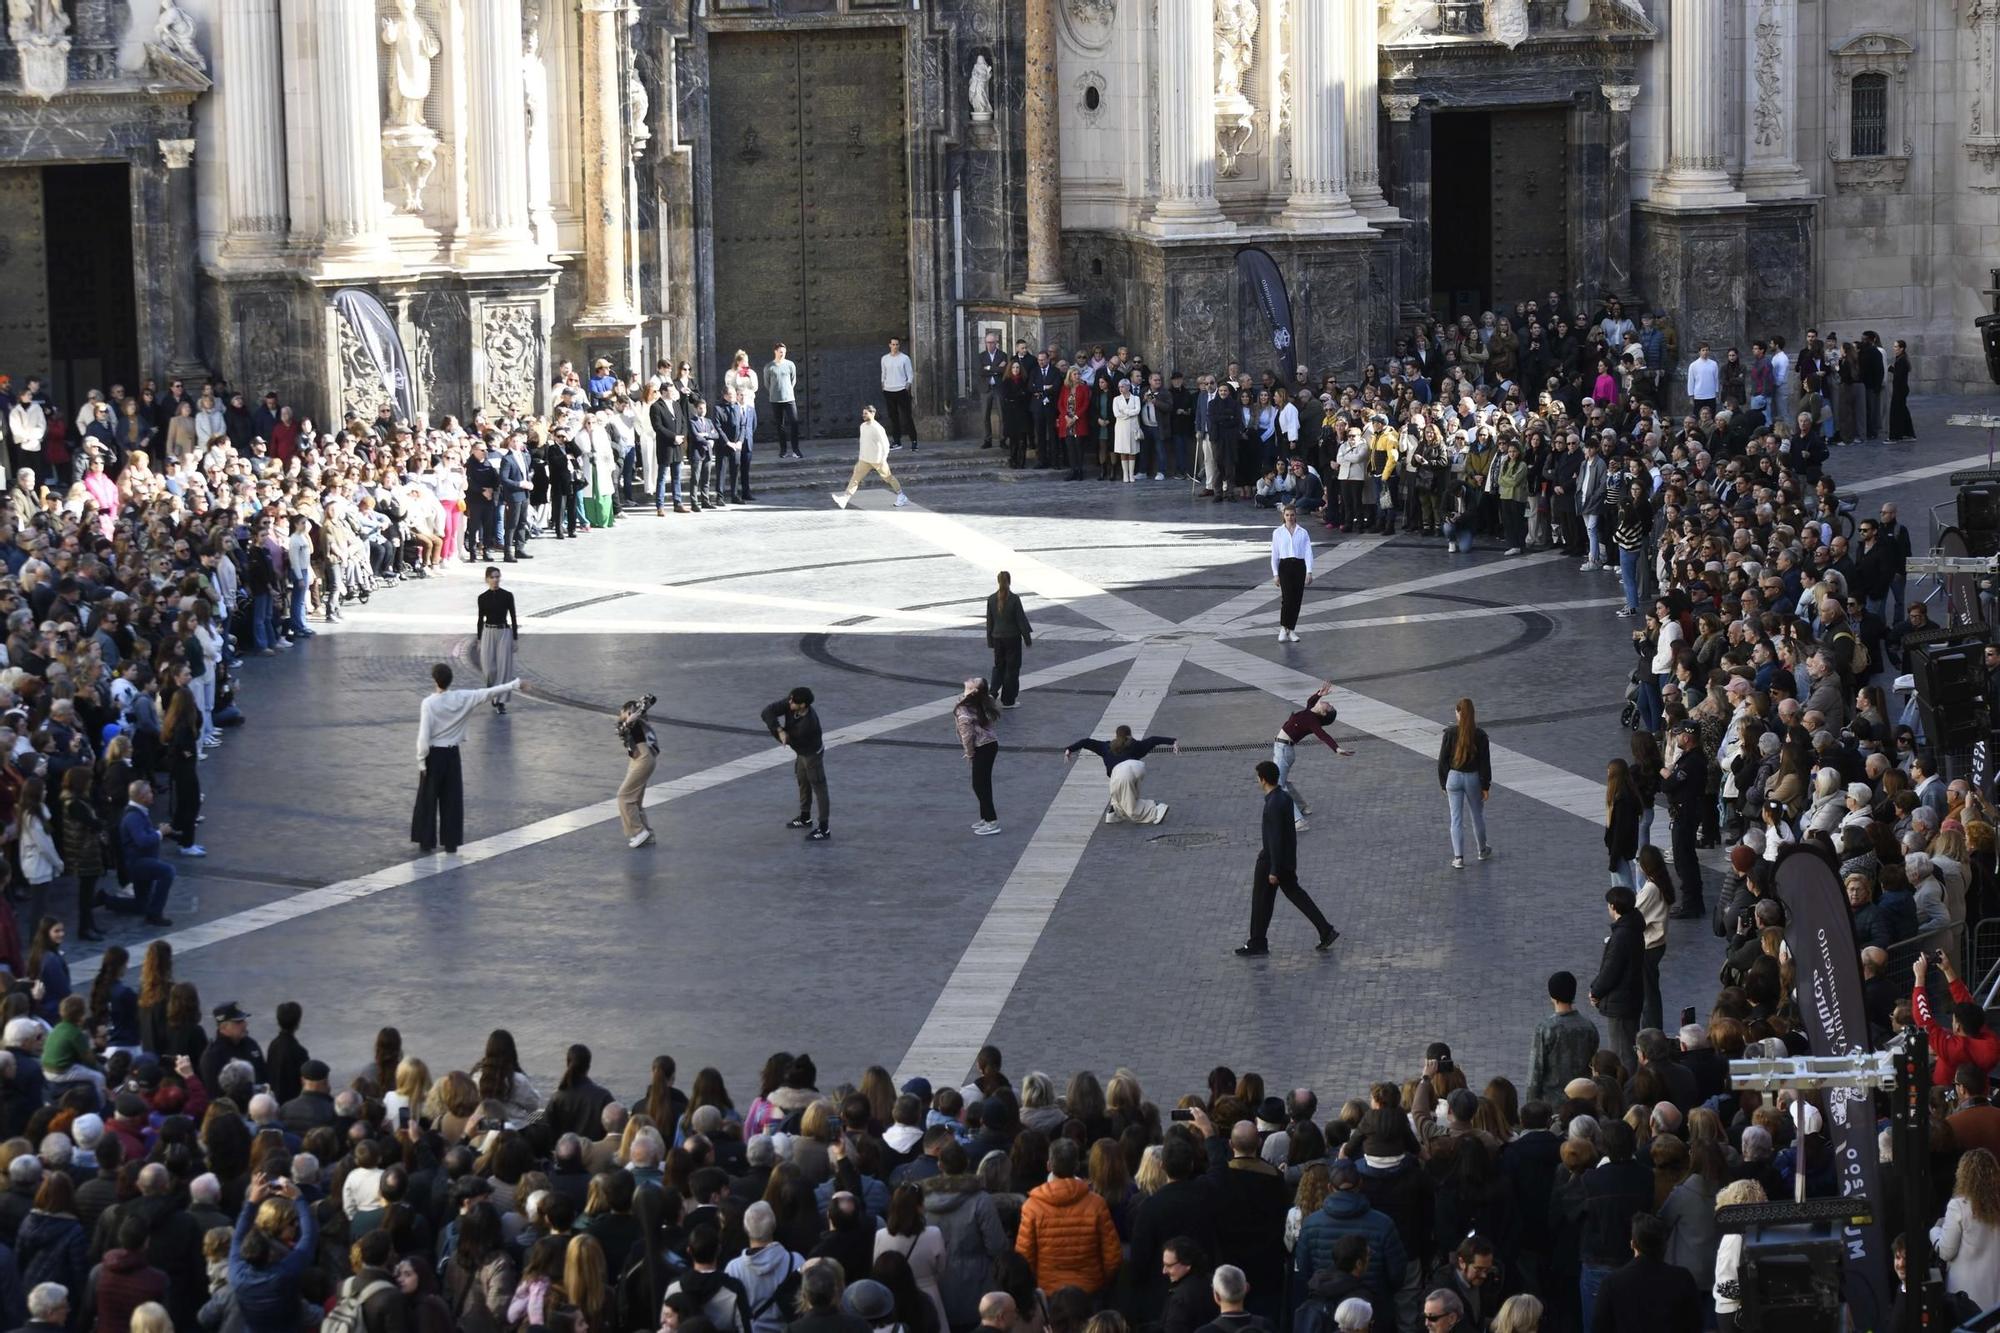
{"points": [[795, 725], [1278, 871], [1901, 427]]}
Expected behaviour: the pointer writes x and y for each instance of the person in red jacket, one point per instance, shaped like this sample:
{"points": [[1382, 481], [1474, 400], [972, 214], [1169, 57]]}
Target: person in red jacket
{"points": [[1969, 1042], [123, 1282]]}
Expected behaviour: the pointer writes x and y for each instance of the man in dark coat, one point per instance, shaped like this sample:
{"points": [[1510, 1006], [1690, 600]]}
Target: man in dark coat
{"points": [[1278, 870], [1685, 785], [1618, 989], [232, 1041], [1251, 1200], [1184, 1206], [482, 505], [1189, 1304], [1648, 1295], [1530, 1162]]}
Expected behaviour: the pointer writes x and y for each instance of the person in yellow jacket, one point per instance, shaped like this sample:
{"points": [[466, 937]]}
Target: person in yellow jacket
{"points": [[1384, 457]]}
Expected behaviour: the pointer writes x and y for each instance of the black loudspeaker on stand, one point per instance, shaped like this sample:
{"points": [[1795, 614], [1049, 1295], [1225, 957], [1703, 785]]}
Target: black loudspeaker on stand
{"points": [[1948, 665]]}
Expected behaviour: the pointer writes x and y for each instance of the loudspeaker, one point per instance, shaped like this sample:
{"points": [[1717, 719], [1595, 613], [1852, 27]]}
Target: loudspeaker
{"points": [[1949, 668], [1979, 516], [1790, 1275], [1989, 336]]}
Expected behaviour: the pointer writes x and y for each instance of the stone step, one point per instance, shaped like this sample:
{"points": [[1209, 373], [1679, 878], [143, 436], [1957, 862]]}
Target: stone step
{"points": [[827, 467]]}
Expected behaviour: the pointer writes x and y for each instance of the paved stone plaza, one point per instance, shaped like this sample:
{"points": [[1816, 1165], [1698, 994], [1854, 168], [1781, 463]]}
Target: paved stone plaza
{"points": [[906, 940]]}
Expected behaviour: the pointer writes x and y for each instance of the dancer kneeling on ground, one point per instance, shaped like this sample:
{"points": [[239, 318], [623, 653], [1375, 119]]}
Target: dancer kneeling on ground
{"points": [[1125, 765]]}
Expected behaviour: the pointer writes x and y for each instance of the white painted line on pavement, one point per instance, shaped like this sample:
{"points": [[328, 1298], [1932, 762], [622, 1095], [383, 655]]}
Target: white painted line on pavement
{"points": [[1246, 604], [1464, 613]]}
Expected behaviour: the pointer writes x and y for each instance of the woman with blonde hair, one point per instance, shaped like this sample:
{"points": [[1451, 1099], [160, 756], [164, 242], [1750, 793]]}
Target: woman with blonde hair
{"points": [[151, 1317], [411, 1092], [1465, 774], [1518, 1314], [1968, 1237], [1728, 1291], [1151, 1177], [1315, 1183]]}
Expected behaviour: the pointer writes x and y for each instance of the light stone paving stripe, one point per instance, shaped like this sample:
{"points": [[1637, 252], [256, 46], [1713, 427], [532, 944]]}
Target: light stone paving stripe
{"points": [[1465, 613], [396, 622], [1030, 573], [722, 595], [1512, 770], [223, 929], [977, 992], [1246, 604], [1883, 483], [1447, 579]]}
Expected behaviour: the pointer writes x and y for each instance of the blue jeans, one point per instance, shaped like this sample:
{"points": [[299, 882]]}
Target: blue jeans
{"points": [[1593, 550], [1183, 448], [1628, 574], [670, 475], [152, 880], [1463, 796], [1627, 874], [297, 624], [260, 620], [1282, 754], [1593, 1278], [1645, 830]]}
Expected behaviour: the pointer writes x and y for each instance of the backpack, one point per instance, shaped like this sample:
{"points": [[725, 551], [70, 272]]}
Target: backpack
{"points": [[1315, 1316], [1858, 661], [345, 1317], [782, 1298]]}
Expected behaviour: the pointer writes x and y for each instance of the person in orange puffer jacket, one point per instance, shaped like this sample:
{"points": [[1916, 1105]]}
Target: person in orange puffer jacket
{"points": [[1970, 1041], [1066, 1233]]}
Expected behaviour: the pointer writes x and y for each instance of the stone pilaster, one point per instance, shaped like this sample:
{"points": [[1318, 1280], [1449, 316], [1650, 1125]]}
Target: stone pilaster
{"points": [[184, 340], [1617, 251], [1186, 86], [1363, 69], [1697, 152], [1771, 84], [350, 134], [250, 67], [1409, 191], [496, 171], [1321, 36], [607, 304]]}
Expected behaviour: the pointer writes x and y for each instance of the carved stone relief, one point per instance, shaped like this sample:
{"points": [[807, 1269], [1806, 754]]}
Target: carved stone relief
{"points": [[39, 30], [362, 392], [511, 347], [1235, 48], [1088, 23], [1769, 115]]}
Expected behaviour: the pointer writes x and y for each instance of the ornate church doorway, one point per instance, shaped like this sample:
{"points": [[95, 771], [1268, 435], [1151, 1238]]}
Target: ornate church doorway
{"points": [[1500, 207], [67, 310], [810, 208]]}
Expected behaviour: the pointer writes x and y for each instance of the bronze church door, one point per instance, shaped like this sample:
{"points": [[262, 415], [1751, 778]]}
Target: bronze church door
{"points": [[1530, 202], [810, 210]]}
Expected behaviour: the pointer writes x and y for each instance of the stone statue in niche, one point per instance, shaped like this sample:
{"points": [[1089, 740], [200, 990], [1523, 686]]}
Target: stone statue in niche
{"points": [[173, 34], [1235, 50], [979, 89], [413, 46], [39, 30]]}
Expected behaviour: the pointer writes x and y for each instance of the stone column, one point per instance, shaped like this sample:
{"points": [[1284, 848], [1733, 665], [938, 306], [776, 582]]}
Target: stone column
{"points": [[1697, 162], [350, 132], [1771, 85], [1187, 121], [1042, 114], [1618, 99], [496, 169], [184, 349], [250, 63], [1319, 202], [1363, 69], [607, 305]]}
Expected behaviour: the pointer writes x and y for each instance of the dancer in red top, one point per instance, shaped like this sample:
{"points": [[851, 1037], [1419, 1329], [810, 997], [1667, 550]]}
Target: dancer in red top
{"points": [[1310, 720]]}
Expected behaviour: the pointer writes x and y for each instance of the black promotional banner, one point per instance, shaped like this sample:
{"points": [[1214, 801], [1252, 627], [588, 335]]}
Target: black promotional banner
{"points": [[1824, 959], [377, 332], [1258, 273]]}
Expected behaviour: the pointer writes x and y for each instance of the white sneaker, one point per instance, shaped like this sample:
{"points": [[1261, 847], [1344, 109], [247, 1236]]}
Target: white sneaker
{"points": [[1458, 863], [986, 830], [1609, 569], [1300, 826], [1486, 853], [1281, 636], [1513, 550], [1295, 636], [902, 498], [1449, 547], [841, 498], [1159, 476], [640, 839], [1586, 567]]}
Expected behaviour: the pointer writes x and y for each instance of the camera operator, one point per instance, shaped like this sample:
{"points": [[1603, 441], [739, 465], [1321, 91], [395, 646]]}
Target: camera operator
{"points": [[643, 749]]}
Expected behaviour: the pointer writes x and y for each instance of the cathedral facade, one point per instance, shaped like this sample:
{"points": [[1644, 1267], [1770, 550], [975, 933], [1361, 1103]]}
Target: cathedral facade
{"points": [[522, 181]]}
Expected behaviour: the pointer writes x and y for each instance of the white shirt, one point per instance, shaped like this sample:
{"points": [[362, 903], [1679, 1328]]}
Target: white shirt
{"points": [[874, 446], [1288, 423], [897, 373], [1291, 544], [28, 425], [442, 720], [1704, 378], [1781, 368]]}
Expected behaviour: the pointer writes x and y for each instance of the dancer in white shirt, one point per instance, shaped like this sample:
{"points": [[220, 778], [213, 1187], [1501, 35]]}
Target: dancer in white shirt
{"points": [[1291, 570], [441, 724], [873, 457]]}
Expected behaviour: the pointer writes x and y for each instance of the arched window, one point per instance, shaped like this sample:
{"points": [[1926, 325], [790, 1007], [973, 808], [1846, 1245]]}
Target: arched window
{"points": [[1868, 116]]}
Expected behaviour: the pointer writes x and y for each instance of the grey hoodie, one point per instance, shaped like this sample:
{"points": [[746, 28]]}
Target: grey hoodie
{"points": [[762, 1272]]}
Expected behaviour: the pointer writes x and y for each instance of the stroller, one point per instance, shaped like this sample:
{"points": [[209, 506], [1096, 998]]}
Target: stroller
{"points": [[1628, 716]]}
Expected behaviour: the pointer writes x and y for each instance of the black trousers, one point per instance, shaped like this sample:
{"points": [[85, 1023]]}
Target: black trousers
{"points": [[187, 798], [516, 531], [902, 421], [1007, 669], [562, 513], [1045, 438], [1291, 590], [786, 418], [440, 813], [1264, 898], [993, 407], [1687, 869], [982, 778]]}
